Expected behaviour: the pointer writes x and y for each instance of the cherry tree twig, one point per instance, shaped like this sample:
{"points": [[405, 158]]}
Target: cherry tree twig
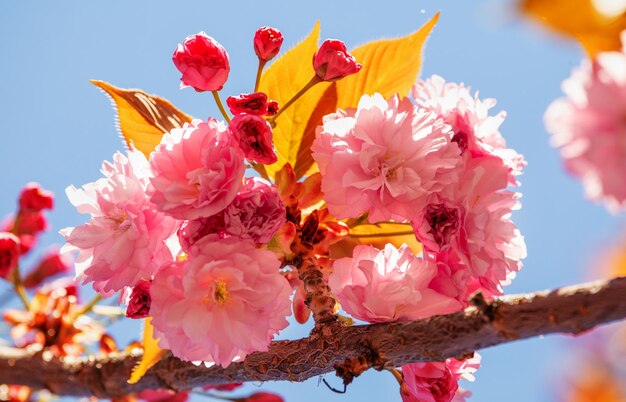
{"points": [[571, 309]]}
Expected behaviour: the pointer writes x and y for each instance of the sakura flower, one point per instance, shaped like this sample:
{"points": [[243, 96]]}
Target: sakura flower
{"points": [[226, 301], [468, 227], [475, 131], [387, 285], [256, 213], [384, 158], [589, 126], [438, 382], [197, 170], [124, 241]]}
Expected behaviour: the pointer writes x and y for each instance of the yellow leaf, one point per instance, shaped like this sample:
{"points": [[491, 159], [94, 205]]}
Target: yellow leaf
{"points": [[579, 19], [142, 119], [389, 66], [283, 79], [151, 353], [377, 235]]}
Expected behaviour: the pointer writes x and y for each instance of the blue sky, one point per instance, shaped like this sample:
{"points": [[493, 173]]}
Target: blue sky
{"points": [[57, 128]]}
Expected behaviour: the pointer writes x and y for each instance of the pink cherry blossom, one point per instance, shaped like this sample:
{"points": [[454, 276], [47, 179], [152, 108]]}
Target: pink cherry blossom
{"points": [[475, 131], [466, 229], [124, 241], [197, 170], [589, 127], [438, 382], [203, 62], [256, 213], [384, 158], [387, 285], [226, 301]]}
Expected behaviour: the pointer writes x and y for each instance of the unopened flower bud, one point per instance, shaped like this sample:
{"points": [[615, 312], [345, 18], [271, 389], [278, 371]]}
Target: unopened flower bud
{"points": [[9, 253], [272, 108], [53, 263], [203, 62], [333, 62], [267, 42], [34, 198], [254, 103]]}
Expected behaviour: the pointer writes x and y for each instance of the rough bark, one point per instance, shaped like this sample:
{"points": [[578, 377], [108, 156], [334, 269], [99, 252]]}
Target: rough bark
{"points": [[570, 310]]}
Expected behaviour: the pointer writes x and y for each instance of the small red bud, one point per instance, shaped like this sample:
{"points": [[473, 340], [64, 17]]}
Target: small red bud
{"points": [[267, 42], [333, 62]]}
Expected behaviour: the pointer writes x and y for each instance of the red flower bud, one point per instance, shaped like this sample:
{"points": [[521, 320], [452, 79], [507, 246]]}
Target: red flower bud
{"points": [[255, 103], [50, 265], [272, 108], [267, 42], [263, 397], [333, 62], [203, 62], [254, 135], [9, 253], [34, 198], [140, 300]]}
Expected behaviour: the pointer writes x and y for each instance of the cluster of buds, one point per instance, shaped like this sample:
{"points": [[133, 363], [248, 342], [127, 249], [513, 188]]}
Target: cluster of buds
{"points": [[18, 235], [205, 66]]}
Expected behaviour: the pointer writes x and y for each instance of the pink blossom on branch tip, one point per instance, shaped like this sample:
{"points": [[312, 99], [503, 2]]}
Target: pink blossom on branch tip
{"points": [[588, 126], [125, 238], [475, 131]]}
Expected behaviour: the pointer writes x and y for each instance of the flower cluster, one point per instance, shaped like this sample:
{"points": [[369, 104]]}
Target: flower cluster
{"points": [[213, 257], [588, 126], [181, 236], [442, 167]]}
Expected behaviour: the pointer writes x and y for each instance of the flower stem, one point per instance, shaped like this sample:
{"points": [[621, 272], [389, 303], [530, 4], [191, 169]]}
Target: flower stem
{"points": [[397, 374], [19, 287], [309, 85], [220, 105], [89, 306], [259, 70]]}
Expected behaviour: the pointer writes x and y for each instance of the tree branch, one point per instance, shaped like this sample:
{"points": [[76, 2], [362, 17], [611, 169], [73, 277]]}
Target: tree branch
{"points": [[571, 310]]}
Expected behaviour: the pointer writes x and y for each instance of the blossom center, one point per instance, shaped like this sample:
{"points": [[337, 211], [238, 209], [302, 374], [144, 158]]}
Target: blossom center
{"points": [[443, 222], [220, 293]]}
